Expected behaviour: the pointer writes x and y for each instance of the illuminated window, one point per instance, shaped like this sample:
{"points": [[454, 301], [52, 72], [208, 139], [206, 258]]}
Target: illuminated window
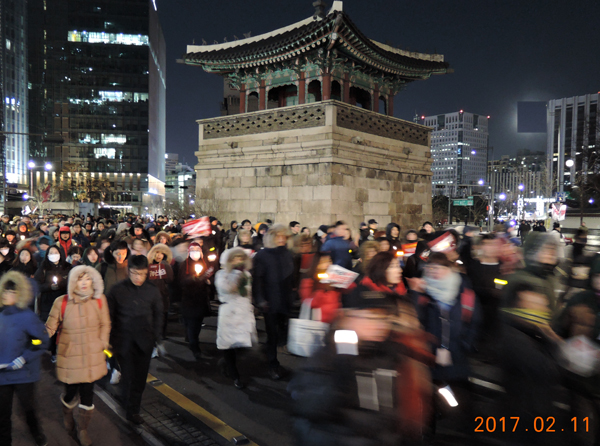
{"points": [[101, 152], [107, 38]]}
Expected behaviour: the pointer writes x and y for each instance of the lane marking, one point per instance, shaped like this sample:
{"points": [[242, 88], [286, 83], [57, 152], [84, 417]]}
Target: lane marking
{"points": [[117, 409], [217, 425]]}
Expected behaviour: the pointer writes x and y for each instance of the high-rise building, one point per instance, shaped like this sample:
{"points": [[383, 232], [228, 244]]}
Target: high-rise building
{"points": [[573, 134], [459, 148], [13, 88], [171, 162], [97, 78]]}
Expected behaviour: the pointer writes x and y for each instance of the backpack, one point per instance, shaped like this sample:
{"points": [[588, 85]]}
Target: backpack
{"points": [[63, 308]]}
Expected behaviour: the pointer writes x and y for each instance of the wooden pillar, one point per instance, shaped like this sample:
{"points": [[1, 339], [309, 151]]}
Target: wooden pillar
{"points": [[302, 88], [243, 98], [262, 95], [326, 87], [346, 97], [376, 99], [390, 104]]}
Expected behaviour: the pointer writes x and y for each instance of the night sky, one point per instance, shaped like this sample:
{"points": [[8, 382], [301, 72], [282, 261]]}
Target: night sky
{"points": [[502, 52]]}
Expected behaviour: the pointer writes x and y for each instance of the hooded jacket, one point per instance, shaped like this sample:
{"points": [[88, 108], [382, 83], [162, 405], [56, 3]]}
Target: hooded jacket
{"points": [[161, 273], [40, 255], [84, 332], [18, 327], [46, 275], [230, 236], [165, 234], [65, 245], [236, 325], [111, 272], [194, 287], [339, 249], [395, 242]]}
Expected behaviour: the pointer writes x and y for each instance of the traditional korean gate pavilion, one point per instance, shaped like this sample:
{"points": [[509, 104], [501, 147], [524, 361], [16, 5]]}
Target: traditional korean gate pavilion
{"points": [[311, 141]]}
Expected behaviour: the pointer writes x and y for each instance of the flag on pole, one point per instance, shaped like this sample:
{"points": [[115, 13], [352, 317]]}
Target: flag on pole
{"points": [[197, 228]]}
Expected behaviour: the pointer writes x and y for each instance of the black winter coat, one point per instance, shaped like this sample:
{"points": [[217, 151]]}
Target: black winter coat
{"points": [[274, 279], [136, 314], [45, 278], [194, 289]]}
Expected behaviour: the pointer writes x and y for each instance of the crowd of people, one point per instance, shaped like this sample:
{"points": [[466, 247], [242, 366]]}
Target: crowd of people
{"points": [[422, 305]]}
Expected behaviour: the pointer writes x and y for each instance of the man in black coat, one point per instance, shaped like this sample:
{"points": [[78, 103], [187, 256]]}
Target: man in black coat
{"points": [[272, 289], [136, 312]]}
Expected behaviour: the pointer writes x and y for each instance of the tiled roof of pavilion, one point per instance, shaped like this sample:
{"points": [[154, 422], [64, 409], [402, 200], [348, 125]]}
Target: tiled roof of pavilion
{"points": [[335, 33]]}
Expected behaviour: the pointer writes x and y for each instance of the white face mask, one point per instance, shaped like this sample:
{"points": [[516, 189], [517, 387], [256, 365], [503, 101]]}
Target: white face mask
{"points": [[195, 255], [54, 257], [4, 251]]}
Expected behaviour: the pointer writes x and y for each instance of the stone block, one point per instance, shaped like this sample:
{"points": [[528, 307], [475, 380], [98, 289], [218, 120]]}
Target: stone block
{"points": [[240, 193], [257, 193], [362, 195], [301, 193], [249, 171], [276, 193], [376, 208], [264, 181], [312, 179], [322, 193], [235, 172], [300, 180], [293, 206], [287, 180], [223, 194], [274, 171], [268, 206], [408, 187], [219, 173], [299, 169], [232, 182], [316, 207], [337, 179], [248, 181]]}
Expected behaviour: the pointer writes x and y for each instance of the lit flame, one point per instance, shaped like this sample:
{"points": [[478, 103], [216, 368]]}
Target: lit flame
{"points": [[399, 253], [55, 280], [448, 395], [198, 268], [212, 257], [322, 276], [22, 237], [345, 337]]}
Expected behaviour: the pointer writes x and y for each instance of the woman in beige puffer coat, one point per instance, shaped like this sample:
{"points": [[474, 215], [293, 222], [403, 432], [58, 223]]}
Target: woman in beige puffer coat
{"points": [[83, 320]]}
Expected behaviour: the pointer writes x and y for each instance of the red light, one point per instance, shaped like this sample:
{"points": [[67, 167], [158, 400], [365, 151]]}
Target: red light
{"points": [[488, 116], [422, 117], [461, 111]]}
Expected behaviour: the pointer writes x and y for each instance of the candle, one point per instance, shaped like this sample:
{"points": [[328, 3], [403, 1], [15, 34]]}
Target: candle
{"points": [[212, 257], [322, 276], [22, 237], [198, 268], [55, 280], [399, 253]]}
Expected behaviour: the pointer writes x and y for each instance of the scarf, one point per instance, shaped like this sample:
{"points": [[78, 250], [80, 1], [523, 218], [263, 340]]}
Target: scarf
{"points": [[444, 291], [536, 317]]}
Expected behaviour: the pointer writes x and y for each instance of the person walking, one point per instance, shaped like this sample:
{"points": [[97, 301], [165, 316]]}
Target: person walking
{"points": [[82, 321], [19, 356], [113, 268], [273, 283], [194, 279], [236, 326], [136, 313], [160, 274]]}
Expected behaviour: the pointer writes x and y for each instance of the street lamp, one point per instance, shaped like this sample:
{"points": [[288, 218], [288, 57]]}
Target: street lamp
{"points": [[521, 187], [31, 165], [480, 182], [502, 196], [569, 163]]}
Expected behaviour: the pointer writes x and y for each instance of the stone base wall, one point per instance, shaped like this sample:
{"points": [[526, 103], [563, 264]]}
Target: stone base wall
{"points": [[316, 176], [316, 194]]}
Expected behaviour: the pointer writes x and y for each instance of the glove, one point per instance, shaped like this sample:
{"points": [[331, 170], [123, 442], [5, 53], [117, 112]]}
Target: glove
{"points": [[16, 364], [162, 351]]}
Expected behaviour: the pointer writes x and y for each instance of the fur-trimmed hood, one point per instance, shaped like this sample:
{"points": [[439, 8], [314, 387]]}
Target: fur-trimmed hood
{"points": [[77, 272], [160, 247], [166, 234], [229, 254], [24, 292]]}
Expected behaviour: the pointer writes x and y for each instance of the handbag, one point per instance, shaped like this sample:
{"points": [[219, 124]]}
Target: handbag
{"points": [[305, 334]]}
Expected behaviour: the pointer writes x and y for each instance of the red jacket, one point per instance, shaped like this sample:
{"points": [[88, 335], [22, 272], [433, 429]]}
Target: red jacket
{"points": [[329, 300]]}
